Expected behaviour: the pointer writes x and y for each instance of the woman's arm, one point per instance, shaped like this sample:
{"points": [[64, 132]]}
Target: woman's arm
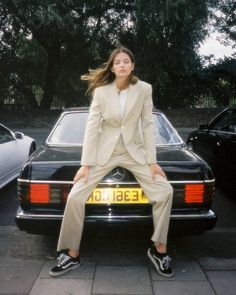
{"points": [[148, 135], [83, 172], [91, 132], [147, 123]]}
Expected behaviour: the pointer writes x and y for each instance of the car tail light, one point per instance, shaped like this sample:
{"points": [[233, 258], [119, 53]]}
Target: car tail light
{"points": [[39, 193], [194, 193], [64, 193]]}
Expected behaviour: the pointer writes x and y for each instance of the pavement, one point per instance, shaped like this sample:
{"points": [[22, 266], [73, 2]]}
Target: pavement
{"points": [[113, 269]]}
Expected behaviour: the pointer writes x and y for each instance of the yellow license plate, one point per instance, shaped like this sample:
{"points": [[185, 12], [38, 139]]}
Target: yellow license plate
{"points": [[117, 196]]}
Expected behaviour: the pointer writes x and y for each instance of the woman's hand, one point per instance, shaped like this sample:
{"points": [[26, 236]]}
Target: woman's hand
{"points": [[82, 173], [156, 169]]}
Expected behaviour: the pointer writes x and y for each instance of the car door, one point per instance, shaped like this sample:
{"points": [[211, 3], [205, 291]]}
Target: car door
{"points": [[226, 144], [8, 154], [205, 144]]}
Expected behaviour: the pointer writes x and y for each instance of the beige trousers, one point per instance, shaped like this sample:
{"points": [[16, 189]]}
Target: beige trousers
{"points": [[158, 191]]}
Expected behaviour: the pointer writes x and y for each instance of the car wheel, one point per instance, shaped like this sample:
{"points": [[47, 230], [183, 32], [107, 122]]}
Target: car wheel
{"points": [[32, 148]]}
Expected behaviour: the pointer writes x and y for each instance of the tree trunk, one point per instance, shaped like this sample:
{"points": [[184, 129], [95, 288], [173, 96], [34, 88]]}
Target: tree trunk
{"points": [[53, 72], [31, 99]]}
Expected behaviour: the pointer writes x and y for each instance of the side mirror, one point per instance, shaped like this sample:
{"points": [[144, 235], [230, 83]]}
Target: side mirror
{"points": [[203, 126], [19, 135]]}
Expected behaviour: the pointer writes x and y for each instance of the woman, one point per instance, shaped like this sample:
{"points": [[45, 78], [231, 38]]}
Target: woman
{"points": [[112, 138]]}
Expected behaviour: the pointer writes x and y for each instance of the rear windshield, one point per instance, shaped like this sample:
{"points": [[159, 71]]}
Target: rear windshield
{"points": [[69, 130]]}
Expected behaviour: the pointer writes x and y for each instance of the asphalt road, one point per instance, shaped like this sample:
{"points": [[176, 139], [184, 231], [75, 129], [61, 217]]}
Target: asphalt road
{"points": [[224, 204], [204, 264], [222, 240]]}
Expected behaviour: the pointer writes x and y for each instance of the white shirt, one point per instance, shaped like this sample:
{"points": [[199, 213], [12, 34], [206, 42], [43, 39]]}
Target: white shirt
{"points": [[122, 99]]}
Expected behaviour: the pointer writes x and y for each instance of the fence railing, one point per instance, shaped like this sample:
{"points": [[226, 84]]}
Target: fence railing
{"points": [[61, 102]]}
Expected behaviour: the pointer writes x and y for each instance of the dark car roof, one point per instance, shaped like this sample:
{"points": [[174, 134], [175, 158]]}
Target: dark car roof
{"points": [[77, 109], [86, 109], [233, 107]]}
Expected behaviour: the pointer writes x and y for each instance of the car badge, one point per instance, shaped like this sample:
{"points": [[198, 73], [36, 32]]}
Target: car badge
{"points": [[118, 173]]}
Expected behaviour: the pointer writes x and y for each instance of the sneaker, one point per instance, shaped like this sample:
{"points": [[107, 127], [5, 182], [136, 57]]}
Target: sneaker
{"points": [[65, 264], [161, 262]]}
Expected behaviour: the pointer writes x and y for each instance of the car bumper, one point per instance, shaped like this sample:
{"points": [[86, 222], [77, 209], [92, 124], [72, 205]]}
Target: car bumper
{"points": [[179, 223]]}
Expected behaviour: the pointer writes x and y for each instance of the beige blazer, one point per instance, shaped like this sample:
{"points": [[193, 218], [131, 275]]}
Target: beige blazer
{"points": [[105, 125]]}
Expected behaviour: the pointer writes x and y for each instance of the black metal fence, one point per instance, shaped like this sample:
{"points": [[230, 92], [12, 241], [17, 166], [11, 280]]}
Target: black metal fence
{"points": [[68, 99], [60, 102]]}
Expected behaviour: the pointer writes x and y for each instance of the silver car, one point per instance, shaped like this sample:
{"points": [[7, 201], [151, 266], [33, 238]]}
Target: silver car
{"points": [[15, 148]]}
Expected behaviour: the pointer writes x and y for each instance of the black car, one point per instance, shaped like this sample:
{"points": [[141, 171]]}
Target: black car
{"points": [[47, 177], [215, 142]]}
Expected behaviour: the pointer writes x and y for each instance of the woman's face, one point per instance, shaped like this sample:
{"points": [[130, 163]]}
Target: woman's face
{"points": [[122, 65]]}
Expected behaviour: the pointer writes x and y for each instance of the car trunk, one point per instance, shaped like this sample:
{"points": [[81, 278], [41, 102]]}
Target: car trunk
{"points": [[47, 178]]}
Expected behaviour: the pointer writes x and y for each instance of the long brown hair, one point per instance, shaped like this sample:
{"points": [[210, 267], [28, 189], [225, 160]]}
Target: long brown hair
{"points": [[103, 75]]}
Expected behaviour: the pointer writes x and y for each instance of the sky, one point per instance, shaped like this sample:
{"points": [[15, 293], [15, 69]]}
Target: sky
{"points": [[213, 46]]}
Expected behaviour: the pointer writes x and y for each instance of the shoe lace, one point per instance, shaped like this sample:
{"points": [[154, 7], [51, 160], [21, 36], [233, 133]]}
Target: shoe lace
{"points": [[166, 261], [62, 259]]}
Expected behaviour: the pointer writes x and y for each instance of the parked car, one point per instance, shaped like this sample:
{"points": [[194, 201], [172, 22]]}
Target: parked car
{"points": [[15, 148], [215, 142], [47, 177]]}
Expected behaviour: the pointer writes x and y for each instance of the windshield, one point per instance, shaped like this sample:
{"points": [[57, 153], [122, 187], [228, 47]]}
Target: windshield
{"points": [[69, 130]]}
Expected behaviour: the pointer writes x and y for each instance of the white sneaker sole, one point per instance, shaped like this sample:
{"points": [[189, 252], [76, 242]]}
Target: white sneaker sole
{"points": [[57, 274], [157, 266]]}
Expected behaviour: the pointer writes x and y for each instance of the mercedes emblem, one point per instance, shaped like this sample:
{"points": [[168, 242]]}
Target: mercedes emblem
{"points": [[118, 173]]}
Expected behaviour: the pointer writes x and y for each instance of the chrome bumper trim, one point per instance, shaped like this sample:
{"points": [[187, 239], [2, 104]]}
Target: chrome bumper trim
{"points": [[23, 215], [107, 183], [45, 181]]}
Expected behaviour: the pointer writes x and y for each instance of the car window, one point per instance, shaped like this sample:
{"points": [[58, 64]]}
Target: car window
{"points": [[226, 123], [70, 130], [5, 135], [164, 131]]}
